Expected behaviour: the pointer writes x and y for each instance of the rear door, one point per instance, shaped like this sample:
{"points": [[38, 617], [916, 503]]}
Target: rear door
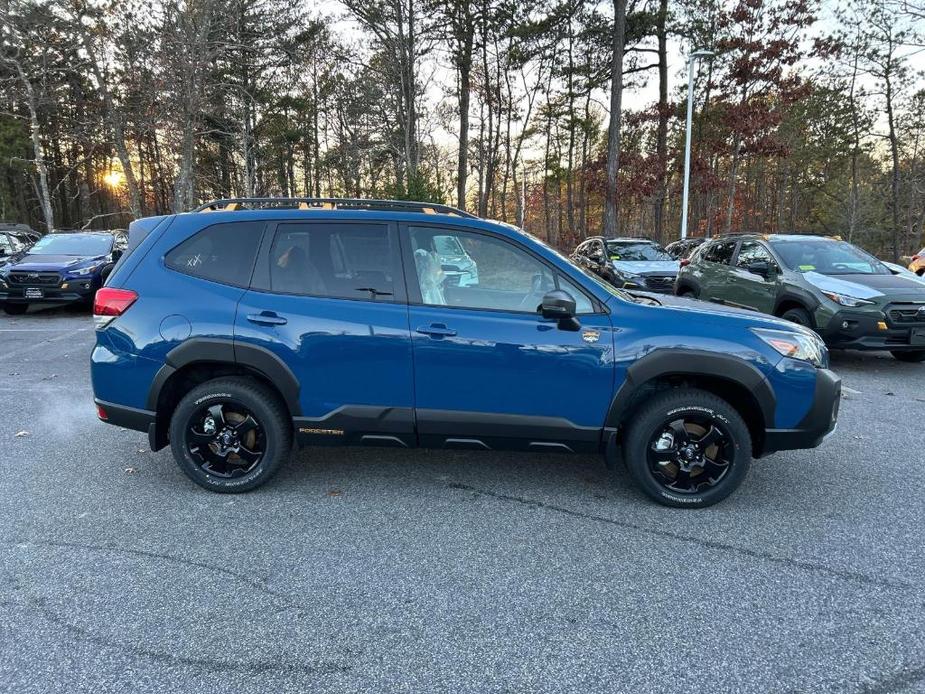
{"points": [[328, 299], [489, 371], [715, 268]]}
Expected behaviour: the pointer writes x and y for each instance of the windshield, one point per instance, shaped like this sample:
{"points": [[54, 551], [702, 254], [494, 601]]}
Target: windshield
{"points": [[73, 244], [828, 257], [622, 250]]}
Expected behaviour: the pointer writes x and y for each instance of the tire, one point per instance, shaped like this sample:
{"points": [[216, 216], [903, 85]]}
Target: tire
{"points": [[724, 464], [15, 309], [912, 356], [800, 316], [688, 293], [256, 452]]}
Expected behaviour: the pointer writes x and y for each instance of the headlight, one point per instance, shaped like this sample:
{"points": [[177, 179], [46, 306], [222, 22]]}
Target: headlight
{"points": [[845, 300], [84, 271], [795, 345], [631, 279]]}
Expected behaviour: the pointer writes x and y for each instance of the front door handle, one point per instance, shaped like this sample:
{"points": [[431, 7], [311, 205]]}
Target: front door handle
{"points": [[436, 330], [266, 318]]}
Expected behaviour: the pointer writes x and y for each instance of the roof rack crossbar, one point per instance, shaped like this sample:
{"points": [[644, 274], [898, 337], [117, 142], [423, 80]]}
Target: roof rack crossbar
{"points": [[225, 204]]}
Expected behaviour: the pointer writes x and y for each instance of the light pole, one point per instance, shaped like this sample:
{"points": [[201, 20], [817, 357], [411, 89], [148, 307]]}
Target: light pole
{"points": [[699, 53]]}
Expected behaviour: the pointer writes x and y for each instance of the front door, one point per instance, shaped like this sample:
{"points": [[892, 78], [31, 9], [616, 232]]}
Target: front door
{"points": [[328, 300], [749, 288], [489, 371]]}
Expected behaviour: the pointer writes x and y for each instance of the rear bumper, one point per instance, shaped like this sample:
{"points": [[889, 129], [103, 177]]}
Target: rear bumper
{"points": [[128, 417], [818, 423], [861, 330]]}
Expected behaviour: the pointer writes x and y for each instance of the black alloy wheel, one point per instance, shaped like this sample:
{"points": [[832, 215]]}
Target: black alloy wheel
{"points": [[231, 434], [687, 448], [690, 453], [225, 439]]}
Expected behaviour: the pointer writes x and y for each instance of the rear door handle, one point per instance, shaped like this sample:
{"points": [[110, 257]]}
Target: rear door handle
{"points": [[436, 330], [266, 318]]}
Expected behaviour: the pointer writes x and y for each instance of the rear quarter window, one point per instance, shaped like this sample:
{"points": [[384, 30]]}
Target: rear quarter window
{"points": [[223, 253]]}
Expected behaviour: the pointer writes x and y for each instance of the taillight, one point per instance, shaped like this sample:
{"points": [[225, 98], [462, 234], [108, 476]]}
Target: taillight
{"points": [[685, 262], [111, 303], [915, 258]]}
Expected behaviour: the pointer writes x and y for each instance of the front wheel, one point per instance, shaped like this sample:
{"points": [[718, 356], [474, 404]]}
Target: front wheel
{"points": [[15, 309], [230, 435], [913, 356], [687, 448], [800, 316]]}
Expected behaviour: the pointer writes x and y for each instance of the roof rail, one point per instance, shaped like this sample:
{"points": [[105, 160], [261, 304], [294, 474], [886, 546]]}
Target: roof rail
{"points": [[232, 204]]}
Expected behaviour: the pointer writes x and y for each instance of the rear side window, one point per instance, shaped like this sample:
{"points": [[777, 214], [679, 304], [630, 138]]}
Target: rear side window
{"points": [[720, 252], [222, 253], [336, 260]]}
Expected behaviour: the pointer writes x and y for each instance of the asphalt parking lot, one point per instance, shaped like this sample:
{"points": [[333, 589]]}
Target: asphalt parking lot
{"points": [[371, 570]]}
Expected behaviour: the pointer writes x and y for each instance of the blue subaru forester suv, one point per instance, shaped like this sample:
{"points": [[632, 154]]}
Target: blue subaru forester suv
{"points": [[229, 332]]}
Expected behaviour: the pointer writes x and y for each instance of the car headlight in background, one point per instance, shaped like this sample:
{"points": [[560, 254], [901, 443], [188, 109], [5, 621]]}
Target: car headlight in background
{"points": [[84, 271], [845, 300], [795, 345], [632, 280]]}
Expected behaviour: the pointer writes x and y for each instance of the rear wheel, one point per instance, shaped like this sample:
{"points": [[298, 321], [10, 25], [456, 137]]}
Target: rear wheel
{"points": [[15, 309], [800, 316], [913, 356], [230, 435], [687, 448]]}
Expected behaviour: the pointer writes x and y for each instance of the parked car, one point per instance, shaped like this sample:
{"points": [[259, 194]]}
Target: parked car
{"points": [[917, 264], [846, 295], [629, 263], [14, 239], [682, 248], [59, 268], [227, 334], [904, 272]]}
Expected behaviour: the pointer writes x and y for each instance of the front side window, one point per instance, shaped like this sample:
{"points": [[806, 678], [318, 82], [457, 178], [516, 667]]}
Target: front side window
{"points": [[493, 274], [222, 253], [340, 261], [752, 252]]}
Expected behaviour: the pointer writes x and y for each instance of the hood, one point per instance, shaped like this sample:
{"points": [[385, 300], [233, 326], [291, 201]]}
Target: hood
{"points": [[707, 310], [39, 262], [639, 267], [866, 286]]}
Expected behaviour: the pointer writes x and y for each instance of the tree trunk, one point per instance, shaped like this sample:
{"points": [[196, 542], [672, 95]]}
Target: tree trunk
{"points": [[611, 209]]}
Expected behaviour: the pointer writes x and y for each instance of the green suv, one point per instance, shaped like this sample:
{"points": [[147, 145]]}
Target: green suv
{"points": [[849, 297]]}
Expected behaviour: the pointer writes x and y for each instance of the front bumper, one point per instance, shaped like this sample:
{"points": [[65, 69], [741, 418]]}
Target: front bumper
{"points": [[658, 284], [69, 291], [818, 423], [864, 330]]}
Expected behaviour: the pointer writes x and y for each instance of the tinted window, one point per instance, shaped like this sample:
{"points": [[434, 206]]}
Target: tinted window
{"points": [[719, 252], [636, 251], [341, 261], [494, 275], [752, 252], [222, 253]]}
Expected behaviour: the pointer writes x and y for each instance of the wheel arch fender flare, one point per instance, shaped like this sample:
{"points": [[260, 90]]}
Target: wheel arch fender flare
{"points": [[680, 363], [223, 351], [795, 295]]}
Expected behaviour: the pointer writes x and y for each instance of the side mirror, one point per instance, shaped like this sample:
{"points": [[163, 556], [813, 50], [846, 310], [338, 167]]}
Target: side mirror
{"points": [[559, 305], [760, 267], [2, 252], [116, 254]]}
